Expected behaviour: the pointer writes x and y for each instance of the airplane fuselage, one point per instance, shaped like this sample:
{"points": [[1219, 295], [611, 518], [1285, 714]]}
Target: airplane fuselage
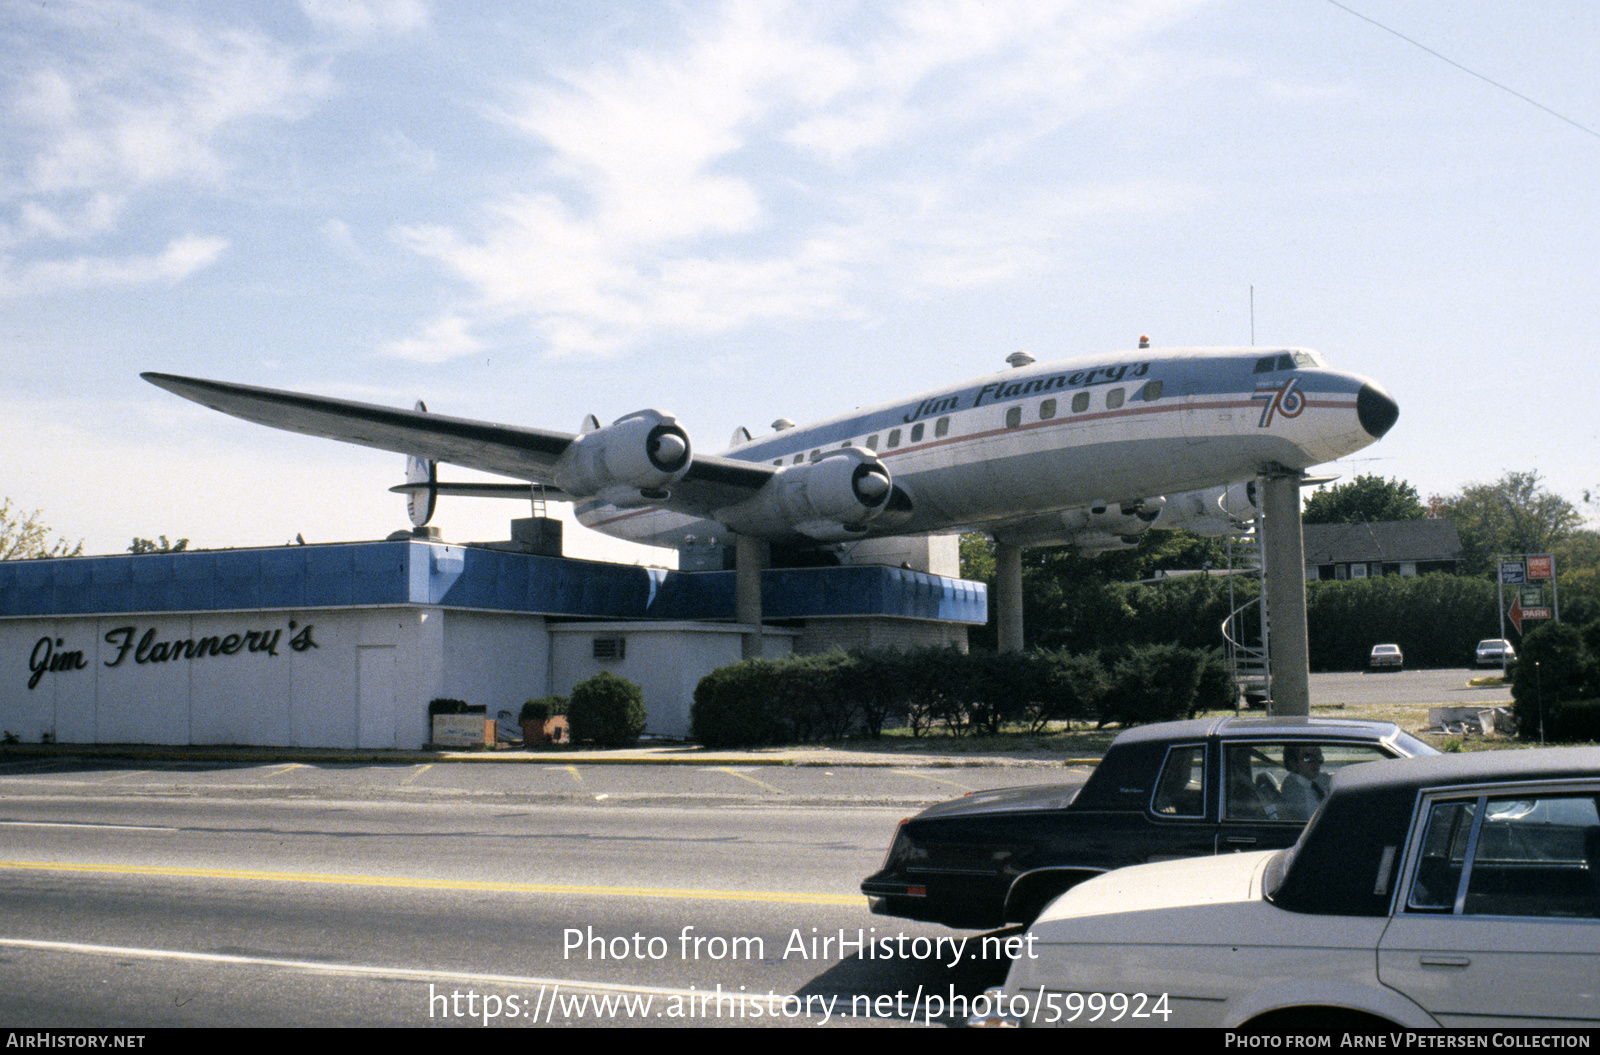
{"points": [[999, 452]]}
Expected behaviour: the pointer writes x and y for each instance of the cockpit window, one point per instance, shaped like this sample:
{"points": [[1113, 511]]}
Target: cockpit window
{"points": [[1287, 361]]}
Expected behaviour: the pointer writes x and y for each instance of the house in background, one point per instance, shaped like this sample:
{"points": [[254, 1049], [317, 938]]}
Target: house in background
{"points": [[1391, 547]]}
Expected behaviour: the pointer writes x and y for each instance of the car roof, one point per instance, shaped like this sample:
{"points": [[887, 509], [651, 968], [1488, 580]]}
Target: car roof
{"points": [[1474, 767], [1263, 727], [1350, 843], [1123, 779]]}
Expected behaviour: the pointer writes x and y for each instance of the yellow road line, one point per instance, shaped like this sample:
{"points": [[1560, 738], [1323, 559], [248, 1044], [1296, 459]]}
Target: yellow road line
{"points": [[402, 882], [936, 780], [287, 767], [753, 780]]}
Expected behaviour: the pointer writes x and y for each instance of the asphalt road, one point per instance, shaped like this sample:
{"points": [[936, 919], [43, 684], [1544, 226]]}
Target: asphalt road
{"points": [[286, 894], [148, 894]]}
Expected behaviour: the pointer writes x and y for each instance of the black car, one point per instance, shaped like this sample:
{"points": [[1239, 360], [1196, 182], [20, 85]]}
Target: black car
{"points": [[1177, 789]]}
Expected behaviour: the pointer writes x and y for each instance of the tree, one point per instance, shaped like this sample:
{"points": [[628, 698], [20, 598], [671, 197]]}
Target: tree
{"points": [[1365, 499], [144, 545], [977, 557], [1515, 514], [24, 536]]}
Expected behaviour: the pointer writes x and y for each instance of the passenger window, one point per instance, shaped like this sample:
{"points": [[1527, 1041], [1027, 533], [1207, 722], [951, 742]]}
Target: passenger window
{"points": [[1114, 399], [1013, 417], [872, 442], [1080, 402], [1533, 856], [1047, 410], [1441, 856], [1284, 781], [894, 437], [941, 427], [799, 458], [815, 455], [1152, 391], [1181, 789], [916, 432]]}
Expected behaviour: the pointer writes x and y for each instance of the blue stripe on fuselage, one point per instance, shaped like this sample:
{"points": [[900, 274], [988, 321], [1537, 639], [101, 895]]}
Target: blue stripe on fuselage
{"points": [[1186, 377]]}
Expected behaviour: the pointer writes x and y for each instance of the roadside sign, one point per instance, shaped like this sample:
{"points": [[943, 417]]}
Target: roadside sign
{"points": [[1513, 573], [1519, 613], [1531, 596], [1541, 566]]}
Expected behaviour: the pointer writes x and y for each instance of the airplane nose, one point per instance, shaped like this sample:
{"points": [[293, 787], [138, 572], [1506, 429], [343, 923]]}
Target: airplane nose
{"points": [[1376, 410]]}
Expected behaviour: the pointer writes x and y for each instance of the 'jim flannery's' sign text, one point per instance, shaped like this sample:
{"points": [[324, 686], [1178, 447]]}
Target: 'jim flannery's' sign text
{"points": [[51, 655]]}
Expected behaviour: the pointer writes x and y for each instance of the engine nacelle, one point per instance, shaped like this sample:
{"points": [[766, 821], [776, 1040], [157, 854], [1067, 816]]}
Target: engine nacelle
{"points": [[832, 499], [1216, 512], [631, 462]]}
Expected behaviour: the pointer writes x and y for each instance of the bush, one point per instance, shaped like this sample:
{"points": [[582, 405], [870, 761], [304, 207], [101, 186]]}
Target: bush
{"points": [[761, 702], [543, 709], [606, 710], [1554, 681], [1153, 683], [1573, 721], [1077, 687], [738, 706]]}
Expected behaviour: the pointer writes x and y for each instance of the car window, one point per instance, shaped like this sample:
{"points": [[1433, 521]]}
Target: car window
{"points": [[1285, 780], [1510, 856], [1181, 790]]}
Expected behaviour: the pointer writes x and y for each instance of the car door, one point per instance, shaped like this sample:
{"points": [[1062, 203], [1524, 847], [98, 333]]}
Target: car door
{"points": [[1270, 788], [1498, 920], [1181, 820]]}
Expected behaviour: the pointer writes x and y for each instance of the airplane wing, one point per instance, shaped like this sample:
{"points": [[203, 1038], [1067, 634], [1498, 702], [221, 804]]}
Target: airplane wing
{"points": [[509, 450]]}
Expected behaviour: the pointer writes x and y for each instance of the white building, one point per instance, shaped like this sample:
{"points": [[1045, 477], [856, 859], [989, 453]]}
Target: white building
{"points": [[344, 645]]}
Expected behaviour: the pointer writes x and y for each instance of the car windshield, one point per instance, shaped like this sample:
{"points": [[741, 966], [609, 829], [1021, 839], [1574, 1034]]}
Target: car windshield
{"points": [[1411, 746]]}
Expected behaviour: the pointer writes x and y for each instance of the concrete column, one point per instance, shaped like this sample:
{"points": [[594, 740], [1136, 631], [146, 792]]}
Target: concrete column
{"points": [[747, 591], [1008, 596], [1284, 546]]}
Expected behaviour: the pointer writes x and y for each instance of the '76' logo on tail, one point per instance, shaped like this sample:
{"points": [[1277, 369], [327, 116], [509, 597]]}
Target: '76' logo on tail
{"points": [[1282, 399]]}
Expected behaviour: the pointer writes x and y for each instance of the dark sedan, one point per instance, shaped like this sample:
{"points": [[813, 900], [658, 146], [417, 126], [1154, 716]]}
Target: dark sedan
{"points": [[1178, 789]]}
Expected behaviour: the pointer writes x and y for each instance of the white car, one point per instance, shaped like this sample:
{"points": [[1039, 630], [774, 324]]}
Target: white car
{"points": [[1386, 657], [1494, 652], [1454, 890]]}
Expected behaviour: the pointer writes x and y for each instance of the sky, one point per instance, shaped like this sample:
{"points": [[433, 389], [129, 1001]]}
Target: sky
{"points": [[735, 212]]}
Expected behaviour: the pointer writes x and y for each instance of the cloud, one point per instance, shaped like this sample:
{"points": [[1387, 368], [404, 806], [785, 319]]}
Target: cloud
{"points": [[182, 257], [776, 160], [442, 340], [361, 17], [115, 96]]}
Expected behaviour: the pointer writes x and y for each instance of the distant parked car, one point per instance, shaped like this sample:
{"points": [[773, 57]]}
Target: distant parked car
{"points": [[1453, 890], [1173, 789], [1386, 657], [1495, 652]]}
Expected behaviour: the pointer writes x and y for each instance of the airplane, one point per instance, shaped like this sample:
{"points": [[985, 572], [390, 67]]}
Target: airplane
{"points": [[1089, 451]]}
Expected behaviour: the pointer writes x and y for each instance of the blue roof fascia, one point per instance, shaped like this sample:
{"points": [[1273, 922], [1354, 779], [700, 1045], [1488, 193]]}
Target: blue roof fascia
{"points": [[414, 572]]}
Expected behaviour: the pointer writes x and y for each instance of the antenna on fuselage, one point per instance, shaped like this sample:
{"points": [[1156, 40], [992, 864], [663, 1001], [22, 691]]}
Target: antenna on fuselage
{"points": [[1019, 359]]}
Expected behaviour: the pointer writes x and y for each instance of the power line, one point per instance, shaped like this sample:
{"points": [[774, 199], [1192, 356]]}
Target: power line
{"points": [[1464, 69]]}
